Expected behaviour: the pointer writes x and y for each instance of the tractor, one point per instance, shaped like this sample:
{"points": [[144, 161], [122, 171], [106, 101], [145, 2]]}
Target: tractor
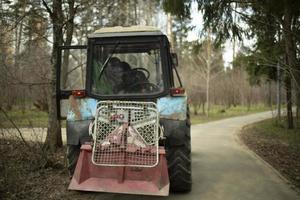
{"points": [[126, 112]]}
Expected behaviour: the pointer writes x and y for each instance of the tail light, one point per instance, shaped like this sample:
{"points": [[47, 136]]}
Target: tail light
{"points": [[78, 93], [177, 91]]}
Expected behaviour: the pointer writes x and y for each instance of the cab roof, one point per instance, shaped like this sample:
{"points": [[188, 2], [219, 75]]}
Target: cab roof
{"points": [[119, 31]]}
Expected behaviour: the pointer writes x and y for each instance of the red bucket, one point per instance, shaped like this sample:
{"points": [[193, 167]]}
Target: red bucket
{"points": [[128, 180]]}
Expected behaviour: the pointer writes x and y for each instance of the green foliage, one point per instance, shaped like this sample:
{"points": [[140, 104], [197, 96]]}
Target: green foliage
{"points": [[262, 21], [265, 25], [258, 68], [218, 18], [180, 8], [269, 47], [28, 118], [180, 29], [217, 14]]}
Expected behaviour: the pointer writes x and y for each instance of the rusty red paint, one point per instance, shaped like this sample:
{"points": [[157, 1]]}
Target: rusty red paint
{"points": [[129, 180]]}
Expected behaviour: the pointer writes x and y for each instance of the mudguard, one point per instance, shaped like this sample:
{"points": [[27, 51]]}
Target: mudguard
{"points": [[173, 117], [174, 108], [176, 131]]}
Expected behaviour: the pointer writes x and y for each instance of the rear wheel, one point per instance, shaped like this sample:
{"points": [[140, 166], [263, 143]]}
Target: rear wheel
{"points": [[179, 165], [73, 152]]}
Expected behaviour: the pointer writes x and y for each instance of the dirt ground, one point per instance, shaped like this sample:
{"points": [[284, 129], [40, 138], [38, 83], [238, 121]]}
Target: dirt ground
{"points": [[25, 173], [283, 156]]}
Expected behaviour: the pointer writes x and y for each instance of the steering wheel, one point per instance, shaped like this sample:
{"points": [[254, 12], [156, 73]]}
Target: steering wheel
{"points": [[142, 84], [143, 70]]}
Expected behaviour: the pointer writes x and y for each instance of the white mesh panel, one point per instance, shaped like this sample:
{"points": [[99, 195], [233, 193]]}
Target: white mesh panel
{"points": [[126, 134]]}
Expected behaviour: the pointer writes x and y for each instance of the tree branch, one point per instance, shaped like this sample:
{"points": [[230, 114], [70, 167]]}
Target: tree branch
{"points": [[48, 9], [16, 127], [262, 22]]}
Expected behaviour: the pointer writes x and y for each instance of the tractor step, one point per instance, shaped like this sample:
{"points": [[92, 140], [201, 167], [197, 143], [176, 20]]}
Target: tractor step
{"points": [[120, 179]]}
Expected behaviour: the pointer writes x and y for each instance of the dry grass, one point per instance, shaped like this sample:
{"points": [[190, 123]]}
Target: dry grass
{"points": [[25, 170]]}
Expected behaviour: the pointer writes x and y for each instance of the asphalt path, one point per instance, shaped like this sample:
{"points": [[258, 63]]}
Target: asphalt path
{"points": [[223, 168]]}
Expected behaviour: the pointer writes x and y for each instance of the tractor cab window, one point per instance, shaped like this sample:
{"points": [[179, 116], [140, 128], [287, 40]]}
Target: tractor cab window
{"points": [[125, 69]]}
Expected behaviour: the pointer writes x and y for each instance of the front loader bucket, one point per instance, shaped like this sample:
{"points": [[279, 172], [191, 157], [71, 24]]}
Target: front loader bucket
{"points": [[115, 179]]}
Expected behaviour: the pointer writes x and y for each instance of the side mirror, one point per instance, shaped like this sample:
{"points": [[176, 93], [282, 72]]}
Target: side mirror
{"points": [[174, 59]]}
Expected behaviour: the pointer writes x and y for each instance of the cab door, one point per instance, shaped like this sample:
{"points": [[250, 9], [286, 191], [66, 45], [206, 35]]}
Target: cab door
{"points": [[71, 76]]}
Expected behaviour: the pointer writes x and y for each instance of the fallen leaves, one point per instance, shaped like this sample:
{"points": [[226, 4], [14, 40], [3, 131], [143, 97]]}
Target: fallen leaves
{"points": [[281, 155]]}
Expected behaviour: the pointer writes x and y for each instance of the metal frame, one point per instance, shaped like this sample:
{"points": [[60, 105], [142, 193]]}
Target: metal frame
{"points": [[62, 94], [111, 152], [166, 61], [166, 68]]}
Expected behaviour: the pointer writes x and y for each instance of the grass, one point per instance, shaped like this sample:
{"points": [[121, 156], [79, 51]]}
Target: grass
{"points": [[277, 130], [28, 118], [218, 112]]}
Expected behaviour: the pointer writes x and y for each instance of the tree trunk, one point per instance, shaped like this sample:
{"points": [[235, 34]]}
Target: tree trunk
{"points": [[208, 63], [207, 94], [68, 42], [298, 105], [249, 100], [291, 60], [278, 93], [53, 139], [169, 31], [269, 94], [288, 85], [297, 88], [195, 109]]}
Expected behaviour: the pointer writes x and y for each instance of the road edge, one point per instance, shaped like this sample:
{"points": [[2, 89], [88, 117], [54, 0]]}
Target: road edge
{"points": [[237, 138]]}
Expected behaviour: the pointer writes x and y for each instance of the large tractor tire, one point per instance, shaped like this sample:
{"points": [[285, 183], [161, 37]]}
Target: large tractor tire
{"points": [[179, 165], [73, 152]]}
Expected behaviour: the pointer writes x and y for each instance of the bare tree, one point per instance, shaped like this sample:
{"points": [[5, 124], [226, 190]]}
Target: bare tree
{"points": [[207, 64], [60, 22]]}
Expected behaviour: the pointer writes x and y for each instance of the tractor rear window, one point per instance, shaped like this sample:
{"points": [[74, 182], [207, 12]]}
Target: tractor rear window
{"points": [[125, 69]]}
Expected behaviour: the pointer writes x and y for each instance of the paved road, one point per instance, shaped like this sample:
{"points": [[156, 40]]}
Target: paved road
{"points": [[223, 168]]}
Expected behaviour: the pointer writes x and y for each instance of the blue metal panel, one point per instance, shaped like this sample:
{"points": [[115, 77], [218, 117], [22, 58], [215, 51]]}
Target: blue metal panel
{"points": [[168, 107], [172, 107], [87, 108]]}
